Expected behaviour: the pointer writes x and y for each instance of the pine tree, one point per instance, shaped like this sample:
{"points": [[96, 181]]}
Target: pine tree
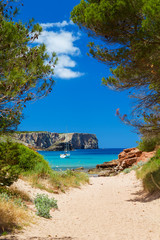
{"points": [[130, 43], [26, 70]]}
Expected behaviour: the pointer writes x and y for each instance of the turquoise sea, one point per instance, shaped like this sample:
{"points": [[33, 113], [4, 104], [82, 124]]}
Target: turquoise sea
{"points": [[88, 158]]}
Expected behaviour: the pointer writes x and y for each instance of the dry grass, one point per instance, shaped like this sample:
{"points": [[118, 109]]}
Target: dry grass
{"points": [[14, 191], [57, 181], [12, 216]]}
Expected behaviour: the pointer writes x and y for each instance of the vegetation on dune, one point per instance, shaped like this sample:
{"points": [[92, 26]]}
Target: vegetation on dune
{"points": [[15, 193], [134, 167], [17, 160], [65, 179], [148, 144], [54, 181], [44, 205], [150, 173], [13, 213]]}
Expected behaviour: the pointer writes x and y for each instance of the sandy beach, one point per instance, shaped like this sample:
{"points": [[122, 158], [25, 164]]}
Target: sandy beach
{"points": [[111, 208]]}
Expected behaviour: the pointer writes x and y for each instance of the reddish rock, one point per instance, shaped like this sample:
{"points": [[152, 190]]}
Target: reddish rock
{"points": [[128, 162], [145, 156], [112, 163], [129, 153], [126, 159], [127, 150]]}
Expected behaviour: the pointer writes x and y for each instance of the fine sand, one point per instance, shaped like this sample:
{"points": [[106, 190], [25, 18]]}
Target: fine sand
{"points": [[111, 208]]}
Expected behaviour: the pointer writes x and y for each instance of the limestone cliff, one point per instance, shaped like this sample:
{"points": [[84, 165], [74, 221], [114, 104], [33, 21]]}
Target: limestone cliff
{"points": [[57, 141]]}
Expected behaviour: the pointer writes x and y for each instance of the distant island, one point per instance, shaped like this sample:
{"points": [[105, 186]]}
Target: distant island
{"points": [[49, 141]]}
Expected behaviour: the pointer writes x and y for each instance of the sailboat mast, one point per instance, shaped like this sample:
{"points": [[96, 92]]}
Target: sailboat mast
{"points": [[66, 142]]}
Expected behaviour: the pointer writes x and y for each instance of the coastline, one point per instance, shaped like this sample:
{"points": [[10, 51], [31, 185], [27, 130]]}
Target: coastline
{"points": [[86, 158]]}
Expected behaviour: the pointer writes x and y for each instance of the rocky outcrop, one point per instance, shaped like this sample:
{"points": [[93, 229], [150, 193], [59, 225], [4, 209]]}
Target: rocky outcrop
{"points": [[57, 141], [112, 163], [126, 159]]}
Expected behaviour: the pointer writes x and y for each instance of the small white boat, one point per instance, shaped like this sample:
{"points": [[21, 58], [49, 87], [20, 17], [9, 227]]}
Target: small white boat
{"points": [[66, 154]]}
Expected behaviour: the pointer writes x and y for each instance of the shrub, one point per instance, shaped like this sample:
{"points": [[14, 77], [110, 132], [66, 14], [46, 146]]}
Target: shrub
{"points": [[16, 193], [140, 164], [15, 158], [148, 144], [9, 160], [150, 173], [28, 159], [134, 167], [44, 205], [12, 213], [17, 201], [127, 170], [65, 179]]}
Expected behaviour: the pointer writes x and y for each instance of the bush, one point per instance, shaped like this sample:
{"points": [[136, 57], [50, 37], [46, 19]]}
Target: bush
{"points": [[29, 159], [17, 201], [44, 205], [15, 158], [150, 173], [9, 160], [148, 144], [134, 167], [127, 170], [12, 213]]}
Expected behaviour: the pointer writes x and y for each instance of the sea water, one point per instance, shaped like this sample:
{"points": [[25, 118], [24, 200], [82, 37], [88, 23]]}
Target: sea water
{"points": [[88, 158]]}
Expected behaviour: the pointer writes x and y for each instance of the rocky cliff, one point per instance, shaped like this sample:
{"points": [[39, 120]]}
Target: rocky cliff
{"points": [[57, 141]]}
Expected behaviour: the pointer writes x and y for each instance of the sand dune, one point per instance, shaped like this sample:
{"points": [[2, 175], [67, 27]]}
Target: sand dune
{"points": [[112, 208]]}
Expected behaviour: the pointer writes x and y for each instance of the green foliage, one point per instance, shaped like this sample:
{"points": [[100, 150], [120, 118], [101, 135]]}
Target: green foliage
{"points": [[140, 164], [65, 179], [44, 205], [16, 158], [127, 170], [15, 193], [150, 173], [9, 160], [129, 32], [4, 196], [26, 70], [29, 159], [134, 167], [17, 201], [148, 144]]}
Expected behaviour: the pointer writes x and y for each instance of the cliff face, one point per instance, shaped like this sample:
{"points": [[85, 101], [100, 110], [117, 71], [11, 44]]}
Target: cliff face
{"points": [[57, 141]]}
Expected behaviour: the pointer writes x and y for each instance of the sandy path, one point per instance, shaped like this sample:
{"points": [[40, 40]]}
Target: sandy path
{"points": [[110, 208]]}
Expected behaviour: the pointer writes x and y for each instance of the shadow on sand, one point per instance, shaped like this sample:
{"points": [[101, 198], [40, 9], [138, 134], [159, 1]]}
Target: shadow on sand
{"points": [[35, 238], [142, 196]]}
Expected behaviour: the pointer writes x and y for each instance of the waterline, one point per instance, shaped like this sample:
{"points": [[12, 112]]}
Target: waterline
{"points": [[80, 158]]}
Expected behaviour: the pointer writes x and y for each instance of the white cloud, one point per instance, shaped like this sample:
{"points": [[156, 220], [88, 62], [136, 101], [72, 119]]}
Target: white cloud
{"points": [[57, 24], [62, 69], [62, 42], [67, 73], [65, 61]]}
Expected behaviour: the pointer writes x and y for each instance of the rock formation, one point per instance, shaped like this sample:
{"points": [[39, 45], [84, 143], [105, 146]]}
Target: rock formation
{"points": [[57, 141], [126, 159]]}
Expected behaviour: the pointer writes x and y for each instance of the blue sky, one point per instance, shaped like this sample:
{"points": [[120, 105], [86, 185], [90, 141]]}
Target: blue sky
{"points": [[78, 102]]}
